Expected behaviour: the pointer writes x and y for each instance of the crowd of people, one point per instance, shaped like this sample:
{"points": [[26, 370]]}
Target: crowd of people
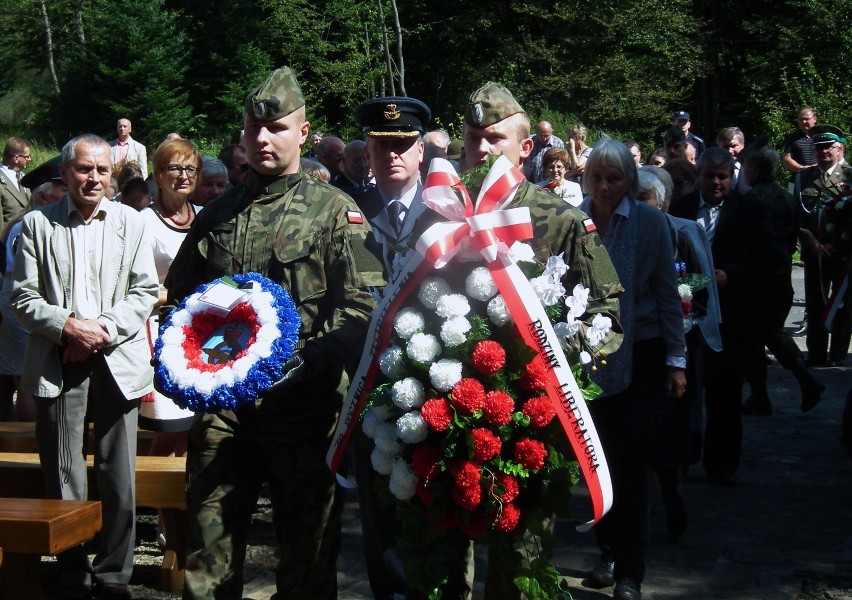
{"points": [[676, 249]]}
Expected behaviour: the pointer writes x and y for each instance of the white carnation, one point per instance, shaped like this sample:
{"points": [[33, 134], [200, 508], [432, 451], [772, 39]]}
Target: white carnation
{"points": [[480, 285], [497, 311], [556, 267], [407, 322], [390, 362], [403, 481], [521, 252], [423, 347], [453, 331], [382, 461], [452, 305], [577, 301], [407, 393], [445, 373], [685, 292], [567, 329], [431, 289], [585, 357], [599, 328], [386, 439], [411, 428], [375, 417]]}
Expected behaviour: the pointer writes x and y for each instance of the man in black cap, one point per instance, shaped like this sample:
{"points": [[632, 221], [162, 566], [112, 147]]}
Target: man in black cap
{"points": [[824, 241], [393, 126], [681, 119]]}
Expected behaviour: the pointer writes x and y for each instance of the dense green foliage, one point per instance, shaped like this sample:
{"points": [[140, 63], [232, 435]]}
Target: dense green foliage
{"points": [[619, 66]]}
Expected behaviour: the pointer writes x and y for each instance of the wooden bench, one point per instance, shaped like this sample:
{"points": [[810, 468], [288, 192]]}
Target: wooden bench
{"points": [[19, 436], [160, 484], [30, 529]]}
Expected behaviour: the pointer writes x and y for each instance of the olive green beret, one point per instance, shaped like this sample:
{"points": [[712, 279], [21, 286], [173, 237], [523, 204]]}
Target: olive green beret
{"points": [[276, 97], [827, 134], [490, 104]]}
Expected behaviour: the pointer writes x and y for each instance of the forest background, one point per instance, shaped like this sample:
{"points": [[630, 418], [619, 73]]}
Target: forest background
{"points": [[618, 66]]}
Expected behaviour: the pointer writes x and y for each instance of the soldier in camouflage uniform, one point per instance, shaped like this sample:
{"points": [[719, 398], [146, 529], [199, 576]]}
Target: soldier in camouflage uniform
{"points": [[494, 123], [309, 237]]}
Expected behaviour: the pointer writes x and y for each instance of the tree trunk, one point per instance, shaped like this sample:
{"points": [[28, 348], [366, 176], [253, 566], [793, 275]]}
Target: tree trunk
{"points": [[78, 19], [387, 49], [399, 61], [48, 44]]}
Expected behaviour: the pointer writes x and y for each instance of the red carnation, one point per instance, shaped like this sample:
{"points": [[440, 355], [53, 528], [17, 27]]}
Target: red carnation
{"points": [[467, 497], [540, 411], [530, 454], [486, 445], [488, 357], [424, 462], [437, 413], [509, 484], [535, 375], [475, 525], [498, 408], [468, 396], [466, 473], [507, 520], [426, 495]]}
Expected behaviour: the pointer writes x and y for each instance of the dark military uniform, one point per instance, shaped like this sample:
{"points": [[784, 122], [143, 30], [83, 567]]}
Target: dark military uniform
{"points": [[309, 238], [824, 225]]}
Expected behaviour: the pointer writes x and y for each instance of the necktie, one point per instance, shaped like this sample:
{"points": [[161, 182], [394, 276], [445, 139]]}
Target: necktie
{"points": [[713, 214], [395, 212]]}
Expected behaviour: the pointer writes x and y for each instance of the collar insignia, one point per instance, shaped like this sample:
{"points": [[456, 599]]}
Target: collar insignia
{"points": [[391, 112]]}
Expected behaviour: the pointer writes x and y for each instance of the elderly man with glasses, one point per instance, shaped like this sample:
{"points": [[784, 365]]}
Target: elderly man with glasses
{"points": [[13, 195]]}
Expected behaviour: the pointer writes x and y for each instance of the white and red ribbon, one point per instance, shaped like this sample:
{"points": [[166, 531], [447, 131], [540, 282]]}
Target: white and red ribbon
{"points": [[490, 229]]}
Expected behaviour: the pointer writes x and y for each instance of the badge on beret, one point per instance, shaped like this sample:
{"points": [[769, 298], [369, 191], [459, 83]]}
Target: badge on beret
{"points": [[3, 180], [259, 109], [478, 113], [391, 112]]}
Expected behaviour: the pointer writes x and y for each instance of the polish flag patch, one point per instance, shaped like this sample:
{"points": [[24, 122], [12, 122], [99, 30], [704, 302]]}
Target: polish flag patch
{"points": [[589, 225], [354, 217]]}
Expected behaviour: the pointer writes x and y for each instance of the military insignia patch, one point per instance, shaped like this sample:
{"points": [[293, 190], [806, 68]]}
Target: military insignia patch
{"points": [[391, 112], [3, 180], [478, 113], [354, 217], [259, 110], [589, 225]]}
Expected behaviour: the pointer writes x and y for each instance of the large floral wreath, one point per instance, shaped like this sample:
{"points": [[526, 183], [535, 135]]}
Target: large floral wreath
{"points": [[184, 371]]}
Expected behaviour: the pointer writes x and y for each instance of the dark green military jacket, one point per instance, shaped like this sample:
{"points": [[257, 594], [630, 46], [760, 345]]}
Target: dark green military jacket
{"points": [[306, 236]]}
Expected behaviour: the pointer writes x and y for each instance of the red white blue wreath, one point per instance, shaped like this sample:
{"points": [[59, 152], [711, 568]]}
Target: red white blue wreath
{"points": [[208, 362]]}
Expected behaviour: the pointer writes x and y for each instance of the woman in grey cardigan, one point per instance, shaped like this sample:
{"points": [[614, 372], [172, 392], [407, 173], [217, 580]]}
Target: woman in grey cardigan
{"points": [[648, 367]]}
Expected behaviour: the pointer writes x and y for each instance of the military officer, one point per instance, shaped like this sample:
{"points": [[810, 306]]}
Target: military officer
{"points": [[310, 238], [825, 220]]}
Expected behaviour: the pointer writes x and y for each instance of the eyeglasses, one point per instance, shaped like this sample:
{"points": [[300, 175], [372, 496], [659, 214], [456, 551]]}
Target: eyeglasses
{"points": [[24, 156], [176, 170]]}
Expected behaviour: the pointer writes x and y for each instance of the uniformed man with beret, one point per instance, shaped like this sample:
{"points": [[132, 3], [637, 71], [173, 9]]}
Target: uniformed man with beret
{"points": [[310, 238], [825, 251], [494, 124]]}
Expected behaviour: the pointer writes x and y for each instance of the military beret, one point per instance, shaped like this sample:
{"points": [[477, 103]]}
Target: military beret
{"points": [[490, 104], [827, 134], [393, 116], [454, 150], [46, 171], [275, 98], [680, 115], [674, 135]]}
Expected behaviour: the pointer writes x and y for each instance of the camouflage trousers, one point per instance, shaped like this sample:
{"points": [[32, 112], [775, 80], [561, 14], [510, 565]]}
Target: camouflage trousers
{"points": [[230, 456]]}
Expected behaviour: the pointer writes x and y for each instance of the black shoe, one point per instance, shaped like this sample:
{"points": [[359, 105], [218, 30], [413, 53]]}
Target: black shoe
{"points": [[111, 591], [836, 362], [627, 588], [601, 576], [816, 363], [753, 406], [812, 397]]}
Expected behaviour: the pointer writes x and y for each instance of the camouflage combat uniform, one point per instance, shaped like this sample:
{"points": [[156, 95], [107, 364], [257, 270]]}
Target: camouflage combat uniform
{"points": [[294, 230]]}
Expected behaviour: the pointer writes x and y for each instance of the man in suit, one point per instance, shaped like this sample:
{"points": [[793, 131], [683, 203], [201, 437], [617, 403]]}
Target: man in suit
{"points": [[125, 149], [741, 236], [84, 283], [354, 179], [821, 239], [13, 195], [393, 126]]}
